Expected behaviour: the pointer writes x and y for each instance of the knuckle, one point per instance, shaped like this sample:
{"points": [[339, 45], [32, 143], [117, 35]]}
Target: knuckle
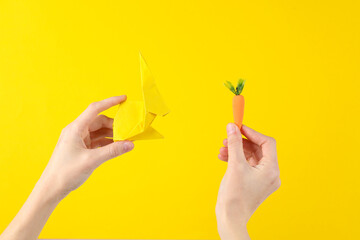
{"points": [[67, 130], [64, 130], [94, 105], [273, 175], [234, 140], [114, 151], [73, 128], [278, 184], [272, 140]]}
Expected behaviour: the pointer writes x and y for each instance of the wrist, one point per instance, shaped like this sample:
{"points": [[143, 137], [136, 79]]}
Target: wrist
{"points": [[232, 229], [38, 207], [230, 232], [49, 188]]}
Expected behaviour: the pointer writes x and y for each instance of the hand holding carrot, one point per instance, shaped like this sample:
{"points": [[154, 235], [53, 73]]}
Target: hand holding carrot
{"points": [[252, 175]]}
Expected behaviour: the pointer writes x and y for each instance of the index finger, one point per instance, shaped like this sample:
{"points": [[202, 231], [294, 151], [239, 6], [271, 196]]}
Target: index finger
{"points": [[267, 144], [95, 108]]}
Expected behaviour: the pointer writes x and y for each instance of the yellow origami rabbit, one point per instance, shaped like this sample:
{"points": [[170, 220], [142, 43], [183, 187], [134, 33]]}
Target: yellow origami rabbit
{"points": [[133, 118]]}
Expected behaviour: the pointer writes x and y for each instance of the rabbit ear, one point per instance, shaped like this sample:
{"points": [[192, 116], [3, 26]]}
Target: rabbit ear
{"points": [[133, 118], [152, 98]]}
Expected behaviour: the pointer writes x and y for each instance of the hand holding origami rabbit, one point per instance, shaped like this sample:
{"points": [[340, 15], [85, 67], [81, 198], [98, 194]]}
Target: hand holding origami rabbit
{"points": [[82, 147]]}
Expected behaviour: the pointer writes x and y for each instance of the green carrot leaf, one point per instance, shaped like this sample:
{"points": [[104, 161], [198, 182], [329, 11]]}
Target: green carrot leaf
{"points": [[230, 86], [240, 86]]}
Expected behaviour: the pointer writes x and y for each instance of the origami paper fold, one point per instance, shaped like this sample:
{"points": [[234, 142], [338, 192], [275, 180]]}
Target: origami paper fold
{"points": [[133, 118]]}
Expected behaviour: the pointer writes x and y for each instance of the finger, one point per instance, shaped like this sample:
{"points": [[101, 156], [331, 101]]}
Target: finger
{"points": [[223, 155], [267, 144], [225, 142], [95, 108], [101, 133], [253, 135], [235, 146], [223, 158], [224, 151], [101, 142], [101, 121], [112, 150]]}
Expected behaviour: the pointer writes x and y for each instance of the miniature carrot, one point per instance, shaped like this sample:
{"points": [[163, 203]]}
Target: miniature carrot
{"points": [[238, 101]]}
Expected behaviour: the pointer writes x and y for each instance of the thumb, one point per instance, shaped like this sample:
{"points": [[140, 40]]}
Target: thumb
{"points": [[113, 150], [235, 145]]}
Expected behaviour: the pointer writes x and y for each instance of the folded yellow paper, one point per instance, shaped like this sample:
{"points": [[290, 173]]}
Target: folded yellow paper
{"points": [[133, 118]]}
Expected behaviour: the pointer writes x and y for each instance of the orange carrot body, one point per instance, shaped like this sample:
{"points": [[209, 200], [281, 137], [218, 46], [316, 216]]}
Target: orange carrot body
{"points": [[238, 109]]}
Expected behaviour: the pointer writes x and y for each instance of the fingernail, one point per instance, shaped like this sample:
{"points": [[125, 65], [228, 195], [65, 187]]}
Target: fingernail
{"points": [[230, 128], [128, 146]]}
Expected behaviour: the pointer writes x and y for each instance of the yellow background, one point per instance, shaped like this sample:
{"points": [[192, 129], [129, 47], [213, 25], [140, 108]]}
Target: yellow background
{"points": [[301, 63]]}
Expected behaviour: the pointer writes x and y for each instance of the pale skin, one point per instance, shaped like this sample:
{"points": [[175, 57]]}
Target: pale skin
{"points": [[252, 173], [81, 148]]}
